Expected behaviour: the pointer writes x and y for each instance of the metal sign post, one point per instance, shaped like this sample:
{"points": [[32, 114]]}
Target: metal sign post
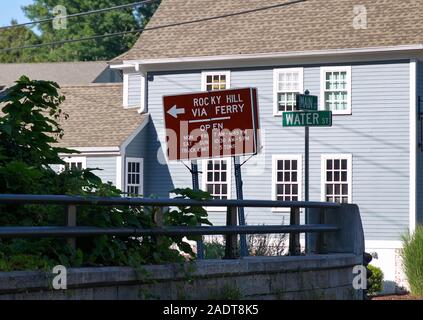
{"points": [[307, 117], [196, 187], [241, 213]]}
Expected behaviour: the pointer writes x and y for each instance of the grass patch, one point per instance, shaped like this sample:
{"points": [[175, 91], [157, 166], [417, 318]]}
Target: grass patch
{"points": [[412, 255]]}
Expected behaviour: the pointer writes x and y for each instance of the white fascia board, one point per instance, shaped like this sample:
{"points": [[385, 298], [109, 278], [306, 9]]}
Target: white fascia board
{"points": [[274, 55], [413, 146], [95, 151]]}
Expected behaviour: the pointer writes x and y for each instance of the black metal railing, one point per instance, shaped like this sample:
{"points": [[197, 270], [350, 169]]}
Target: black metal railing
{"points": [[71, 231]]}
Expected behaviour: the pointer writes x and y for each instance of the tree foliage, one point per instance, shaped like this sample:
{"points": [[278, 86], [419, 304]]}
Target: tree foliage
{"points": [[29, 128], [78, 27], [18, 37]]}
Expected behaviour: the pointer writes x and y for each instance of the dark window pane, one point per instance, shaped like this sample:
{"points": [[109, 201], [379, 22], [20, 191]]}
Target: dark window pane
{"points": [[223, 175], [345, 189], [287, 177], [223, 165], [216, 176], [210, 165], [295, 198], [336, 176], [329, 164], [338, 199], [280, 177], [280, 164], [279, 198], [217, 165], [224, 188], [294, 164], [287, 189], [210, 176], [343, 176], [336, 164], [217, 188], [344, 164], [329, 176], [329, 189], [209, 79], [287, 165], [337, 189], [210, 188], [279, 189], [295, 189]]}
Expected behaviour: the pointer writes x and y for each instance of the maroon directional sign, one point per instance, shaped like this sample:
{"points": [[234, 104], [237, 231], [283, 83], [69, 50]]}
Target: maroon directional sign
{"points": [[211, 124]]}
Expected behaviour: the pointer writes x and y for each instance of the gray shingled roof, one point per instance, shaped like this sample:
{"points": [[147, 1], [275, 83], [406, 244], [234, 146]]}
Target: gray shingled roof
{"points": [[64, 73], [97, 117], [308, 26]]}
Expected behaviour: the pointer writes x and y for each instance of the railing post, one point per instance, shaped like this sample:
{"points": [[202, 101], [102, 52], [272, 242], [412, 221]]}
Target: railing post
{"points": [[320, 238], [70, 218], [294, 238], [231, 239]]}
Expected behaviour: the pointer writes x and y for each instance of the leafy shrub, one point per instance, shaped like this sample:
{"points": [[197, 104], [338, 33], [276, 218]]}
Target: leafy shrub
{"points": [[375, 281], [214, 249], [412, 255], [29, 129]]}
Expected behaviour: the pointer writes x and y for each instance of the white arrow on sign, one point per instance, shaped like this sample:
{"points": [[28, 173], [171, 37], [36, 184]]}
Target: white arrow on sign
{"points": [[174, 111]]}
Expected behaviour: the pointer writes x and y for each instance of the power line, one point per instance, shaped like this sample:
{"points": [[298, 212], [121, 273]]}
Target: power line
{"points": [[108, 35], [80, 14]]}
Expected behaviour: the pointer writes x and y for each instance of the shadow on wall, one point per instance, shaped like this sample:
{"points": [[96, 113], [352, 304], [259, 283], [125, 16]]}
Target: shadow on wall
{"points": [[158, 181]]}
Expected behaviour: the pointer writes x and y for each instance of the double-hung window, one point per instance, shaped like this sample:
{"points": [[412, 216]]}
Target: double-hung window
{"points": [[288, 83], [336, 178], [215, 80], [75, 163], [134, 172], [336, 89], [287, 177], [216, 172], [217, 178]]}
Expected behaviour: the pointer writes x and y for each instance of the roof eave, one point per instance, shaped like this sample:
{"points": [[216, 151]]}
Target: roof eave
{"points": [[275, 55]]}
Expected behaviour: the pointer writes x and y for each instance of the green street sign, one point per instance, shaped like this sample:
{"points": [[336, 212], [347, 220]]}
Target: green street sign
{"points": [[306, 102], [307, 119]]}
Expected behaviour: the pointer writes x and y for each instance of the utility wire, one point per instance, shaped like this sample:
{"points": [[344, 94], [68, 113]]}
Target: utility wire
{"points": [[80, 14], [108, 35]]}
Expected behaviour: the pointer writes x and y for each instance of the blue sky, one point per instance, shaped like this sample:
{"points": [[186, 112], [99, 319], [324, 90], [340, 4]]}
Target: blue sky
{"points": [[12, 9]]}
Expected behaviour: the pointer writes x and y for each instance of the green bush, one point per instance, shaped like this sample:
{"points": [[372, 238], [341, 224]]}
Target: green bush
{"points": [[214, 250], [375, 281], [29, 129], [412, 255]]}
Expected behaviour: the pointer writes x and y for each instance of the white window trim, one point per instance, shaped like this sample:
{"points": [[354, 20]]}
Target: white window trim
{"points": [[70, 159], [141, 184], [325, 157], [323, 71], [204, 180], [204, 75], [276, 73], [126, 91], [277, 157]]}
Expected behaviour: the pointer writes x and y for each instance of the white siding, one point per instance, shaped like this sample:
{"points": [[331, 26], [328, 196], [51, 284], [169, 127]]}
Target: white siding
{"points": [[376, 134]]}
